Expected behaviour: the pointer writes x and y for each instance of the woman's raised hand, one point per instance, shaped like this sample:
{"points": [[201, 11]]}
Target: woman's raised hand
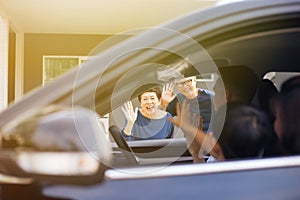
{"points": [[129, 112]]}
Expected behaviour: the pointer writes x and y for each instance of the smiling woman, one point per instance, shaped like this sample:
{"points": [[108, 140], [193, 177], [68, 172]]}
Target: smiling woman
{"points": [[149, 122]]}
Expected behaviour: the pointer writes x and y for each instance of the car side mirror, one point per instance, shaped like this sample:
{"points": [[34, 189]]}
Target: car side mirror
{"points": [[61, 145]]}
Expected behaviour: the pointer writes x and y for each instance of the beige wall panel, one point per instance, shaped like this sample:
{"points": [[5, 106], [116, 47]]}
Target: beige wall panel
{"points": [[38, 45]]}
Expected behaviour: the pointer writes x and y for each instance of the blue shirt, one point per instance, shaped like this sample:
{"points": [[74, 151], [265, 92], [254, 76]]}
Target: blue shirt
{"points": [[201, 105], [145, 128]]}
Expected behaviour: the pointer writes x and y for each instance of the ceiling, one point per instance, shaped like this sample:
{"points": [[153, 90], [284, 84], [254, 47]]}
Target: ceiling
{"points": [[93, 16]]}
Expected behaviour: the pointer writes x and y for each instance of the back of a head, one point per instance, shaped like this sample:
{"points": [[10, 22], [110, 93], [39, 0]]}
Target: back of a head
{"points": [[289, 111], [241, 81], [267, 95], [245, 132], [290, 84]]}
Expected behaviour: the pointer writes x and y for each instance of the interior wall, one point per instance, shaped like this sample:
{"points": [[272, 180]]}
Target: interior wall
{"points": [[38, 45]]}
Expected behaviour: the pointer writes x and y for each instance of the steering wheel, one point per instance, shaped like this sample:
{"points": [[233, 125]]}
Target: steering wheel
{"points": [[123, 145]]}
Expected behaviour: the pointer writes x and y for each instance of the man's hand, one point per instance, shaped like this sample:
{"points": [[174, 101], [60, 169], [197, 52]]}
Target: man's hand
{"points": [[197, 140]]}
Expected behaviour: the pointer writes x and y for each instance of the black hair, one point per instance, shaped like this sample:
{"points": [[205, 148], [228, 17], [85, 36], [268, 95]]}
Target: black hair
{"points": [[290, 120], [147, 88], [267, 97], [245, 132], [241, 81], [290, 84]]}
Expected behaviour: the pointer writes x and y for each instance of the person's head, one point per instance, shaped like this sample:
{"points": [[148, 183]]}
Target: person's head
{"points": [[287, 122], [187, 86], [150, 99], [240, 83], [245, 132], [267, 97], [220, 94]]}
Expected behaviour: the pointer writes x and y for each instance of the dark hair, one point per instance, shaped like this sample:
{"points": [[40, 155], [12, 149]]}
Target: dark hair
{"points": [[290, 84], [289, 110], [245, 132], [267, 96], [147, 88], [241, 81]]}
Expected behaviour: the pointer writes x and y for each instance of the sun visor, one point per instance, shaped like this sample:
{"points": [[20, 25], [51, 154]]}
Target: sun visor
{"points": [[183, 69]]}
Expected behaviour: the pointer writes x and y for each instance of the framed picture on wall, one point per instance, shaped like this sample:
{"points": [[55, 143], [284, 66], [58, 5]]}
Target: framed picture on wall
{"points": [[54, 66]]}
